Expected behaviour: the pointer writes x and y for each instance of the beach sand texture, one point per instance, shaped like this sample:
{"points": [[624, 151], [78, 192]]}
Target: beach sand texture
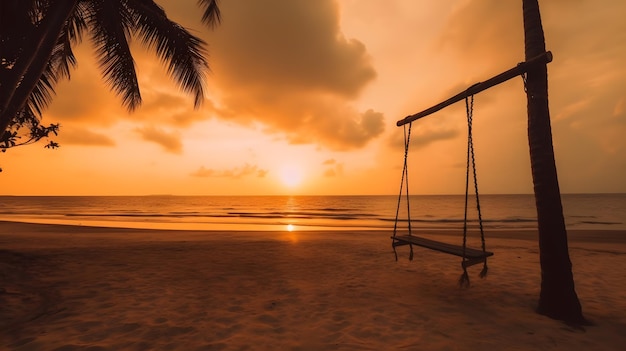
{"points": [[84, 288]]}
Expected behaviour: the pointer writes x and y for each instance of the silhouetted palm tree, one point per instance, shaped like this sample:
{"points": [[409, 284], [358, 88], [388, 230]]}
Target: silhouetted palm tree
{"points": [[36, 39], [558, 297]]}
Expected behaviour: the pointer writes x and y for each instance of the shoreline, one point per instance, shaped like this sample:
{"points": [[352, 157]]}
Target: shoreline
{"points": [[574, 235], [76, 287]]}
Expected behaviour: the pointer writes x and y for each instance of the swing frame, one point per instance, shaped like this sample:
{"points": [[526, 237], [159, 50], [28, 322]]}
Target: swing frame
{"points": [[469, 256]]}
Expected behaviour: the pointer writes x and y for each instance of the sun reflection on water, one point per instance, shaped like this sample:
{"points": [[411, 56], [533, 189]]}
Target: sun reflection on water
{"points": [[291, 235]]}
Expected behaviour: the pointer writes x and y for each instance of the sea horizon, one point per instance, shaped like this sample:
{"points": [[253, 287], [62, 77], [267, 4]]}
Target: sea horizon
{"points": [[601, 211], [282, 195]]}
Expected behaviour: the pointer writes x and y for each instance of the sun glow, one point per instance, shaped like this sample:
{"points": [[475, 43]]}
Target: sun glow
{"points": [[291, 176]]}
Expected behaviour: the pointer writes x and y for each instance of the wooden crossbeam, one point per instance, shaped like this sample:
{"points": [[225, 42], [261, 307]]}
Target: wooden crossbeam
{"points": [[520, 69]]}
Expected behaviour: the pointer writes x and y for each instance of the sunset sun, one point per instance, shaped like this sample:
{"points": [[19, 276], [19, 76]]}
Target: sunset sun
{"points": [[291, 176]]}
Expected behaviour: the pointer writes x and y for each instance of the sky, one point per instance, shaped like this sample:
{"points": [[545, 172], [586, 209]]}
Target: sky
{"points": [[303, 97]]}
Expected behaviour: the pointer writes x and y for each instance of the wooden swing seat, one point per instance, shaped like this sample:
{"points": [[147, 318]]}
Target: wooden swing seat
{"points": [[472, 256]]}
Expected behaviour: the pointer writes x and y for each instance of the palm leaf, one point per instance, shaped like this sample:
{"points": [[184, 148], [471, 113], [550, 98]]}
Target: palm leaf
{"points": [[59, 65], [212, 15], [110, 24], [43, 91], [63, 57], [182, 52]]}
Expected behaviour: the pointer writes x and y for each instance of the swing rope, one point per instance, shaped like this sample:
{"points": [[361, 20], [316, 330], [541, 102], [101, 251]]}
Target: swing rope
{"points": [[404, 181], [471, 161]]}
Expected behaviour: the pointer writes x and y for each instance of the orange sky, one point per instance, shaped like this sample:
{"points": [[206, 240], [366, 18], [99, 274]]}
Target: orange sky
{"points": [[304, 95]]}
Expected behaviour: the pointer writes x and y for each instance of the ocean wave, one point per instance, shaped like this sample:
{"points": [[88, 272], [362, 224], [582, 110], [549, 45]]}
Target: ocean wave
{"points": [[499, 211]]}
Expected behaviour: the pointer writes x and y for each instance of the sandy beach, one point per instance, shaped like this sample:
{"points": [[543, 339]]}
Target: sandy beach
{"points": [[88, 288]]}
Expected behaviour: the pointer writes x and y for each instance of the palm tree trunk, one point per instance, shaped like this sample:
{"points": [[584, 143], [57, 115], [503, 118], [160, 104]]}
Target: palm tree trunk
{"points": [[558, 297], [25, 74]]}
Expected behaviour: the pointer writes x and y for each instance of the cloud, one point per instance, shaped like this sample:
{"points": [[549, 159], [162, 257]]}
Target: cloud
{"points": [[428, 136], [338, 129], [287, 44], [84, 137], [235, 173], [170, 142], [332, 168], [170, 108], [425, 134], [286, 64], [84, 99], [485, 32], [283, 63]]}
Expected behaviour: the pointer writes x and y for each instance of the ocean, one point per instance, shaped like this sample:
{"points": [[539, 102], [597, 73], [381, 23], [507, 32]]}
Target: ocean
{"points": [[508, 212]]}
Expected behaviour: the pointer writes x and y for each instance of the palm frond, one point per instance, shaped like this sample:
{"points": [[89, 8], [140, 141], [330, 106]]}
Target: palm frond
{"points": [[59, 65], [61, 61], [63, 58], [110, 24], [182, 52], [43, 91], [212, 15]]}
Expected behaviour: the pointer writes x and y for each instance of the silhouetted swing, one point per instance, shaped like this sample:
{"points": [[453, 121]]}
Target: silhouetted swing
{"points": [[470, 256]]}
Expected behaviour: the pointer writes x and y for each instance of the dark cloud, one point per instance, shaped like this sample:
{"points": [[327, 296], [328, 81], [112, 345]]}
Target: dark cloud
{"points": [[328, 122], [235, 173], [288, 44], [85, 137], [170, 142], [286, 64], [345, 131]]}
